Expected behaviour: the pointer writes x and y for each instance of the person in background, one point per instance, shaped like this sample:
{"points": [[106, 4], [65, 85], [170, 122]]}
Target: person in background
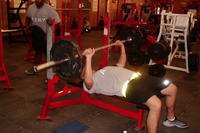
{"points": [[40, 17]]}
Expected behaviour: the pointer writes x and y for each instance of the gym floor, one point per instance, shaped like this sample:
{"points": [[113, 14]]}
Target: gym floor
{"points": [[20, 107]]}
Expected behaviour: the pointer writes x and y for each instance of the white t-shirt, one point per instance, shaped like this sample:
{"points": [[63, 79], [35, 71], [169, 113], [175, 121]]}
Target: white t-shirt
{"points": [[109, 81], [40, 15]]}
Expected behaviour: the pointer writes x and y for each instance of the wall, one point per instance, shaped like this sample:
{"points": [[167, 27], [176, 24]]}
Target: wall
{"points": [[93, 13], [114, 7], [181, 6], [3, 16]]}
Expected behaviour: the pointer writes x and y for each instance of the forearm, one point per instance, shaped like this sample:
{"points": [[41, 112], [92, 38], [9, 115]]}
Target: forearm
{"points": [[122, 59], [88, 73]]}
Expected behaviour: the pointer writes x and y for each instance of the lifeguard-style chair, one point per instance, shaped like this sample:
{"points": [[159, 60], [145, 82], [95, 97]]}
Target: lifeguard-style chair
{"points": [[174, 28]]}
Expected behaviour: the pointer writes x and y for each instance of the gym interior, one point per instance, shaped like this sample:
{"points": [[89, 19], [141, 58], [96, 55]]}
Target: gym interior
{"points": [[164, 32]]}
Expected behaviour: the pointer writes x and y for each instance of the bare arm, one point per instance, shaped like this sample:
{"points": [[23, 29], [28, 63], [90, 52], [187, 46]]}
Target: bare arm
{"points": [[87, 73], [122, 59], [28, 22]]}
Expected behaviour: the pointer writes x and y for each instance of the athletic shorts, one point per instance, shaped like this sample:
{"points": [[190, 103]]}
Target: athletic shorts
{"points": [[139, 90]]}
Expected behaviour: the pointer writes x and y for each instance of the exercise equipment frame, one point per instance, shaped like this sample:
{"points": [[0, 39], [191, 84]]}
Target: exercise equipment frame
{"points": [[4, 76], [85, 98]]}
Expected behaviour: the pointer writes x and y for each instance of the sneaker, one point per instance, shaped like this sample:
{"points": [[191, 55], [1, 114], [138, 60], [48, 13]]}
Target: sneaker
{"points": [[30, 71], [175, 123]]}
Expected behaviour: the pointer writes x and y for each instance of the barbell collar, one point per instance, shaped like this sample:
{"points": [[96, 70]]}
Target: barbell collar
{"points": [[49, 64]]}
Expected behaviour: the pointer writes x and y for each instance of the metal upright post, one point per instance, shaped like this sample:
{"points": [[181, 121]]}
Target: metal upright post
{"points": [[106, 34], [3, 77]]}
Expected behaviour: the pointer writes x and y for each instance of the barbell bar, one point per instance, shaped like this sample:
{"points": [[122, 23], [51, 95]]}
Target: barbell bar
{"points": [[11, 30], [49, 64]]}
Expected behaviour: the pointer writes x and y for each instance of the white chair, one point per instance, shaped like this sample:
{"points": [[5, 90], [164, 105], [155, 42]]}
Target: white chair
{"points": [[174, 28]]}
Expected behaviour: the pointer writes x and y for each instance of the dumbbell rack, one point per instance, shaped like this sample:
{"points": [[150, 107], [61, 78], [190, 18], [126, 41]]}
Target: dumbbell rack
{"points": [[86, 98], [4, 76]]}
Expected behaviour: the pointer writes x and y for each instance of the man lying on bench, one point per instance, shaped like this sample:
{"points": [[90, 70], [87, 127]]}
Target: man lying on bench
{"points": [[134, 86]]}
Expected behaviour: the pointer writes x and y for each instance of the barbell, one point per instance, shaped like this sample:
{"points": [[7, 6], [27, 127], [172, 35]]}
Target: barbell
{"points": [[66, 58]]}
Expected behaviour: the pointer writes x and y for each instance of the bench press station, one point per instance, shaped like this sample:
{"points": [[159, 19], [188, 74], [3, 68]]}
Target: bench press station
{"points": [[86, 98]]}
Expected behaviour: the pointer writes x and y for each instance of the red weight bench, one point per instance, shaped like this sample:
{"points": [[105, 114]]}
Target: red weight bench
{"points": [[85, 98]]}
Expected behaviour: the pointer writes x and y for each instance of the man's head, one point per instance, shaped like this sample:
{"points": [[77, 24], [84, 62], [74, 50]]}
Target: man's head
{"points": [[39, 3]]}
